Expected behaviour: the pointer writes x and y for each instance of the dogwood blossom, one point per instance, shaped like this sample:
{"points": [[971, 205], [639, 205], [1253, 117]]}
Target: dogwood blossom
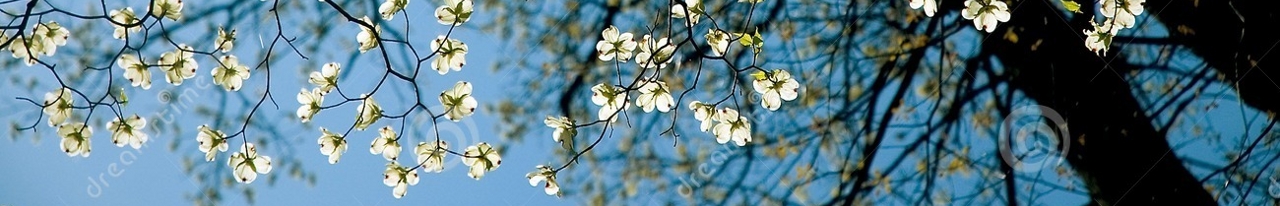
{"points": [[481, 158], [128, 131], [389, 8], [225, 41], [171, 9], [53, 35], [731, 126], [247, 164], [719, 41], [327, 77], [655, 94], [612, 100], [27, 49], [211, 142], [454, 12], [453, 54], [544, 173], [431, 155], [124, 16], [985, 13], [613, 44], [774, 87], [57, 104], [332, 145], [399, 178], [930, 6], [564, 128], [178, 65], [1124, 12], [694, 11], [368, 39], [703, 112], [310, 101], [1098, 40], [138, 74], [386, 144], [458, 102], [655, 53], [76, 138], [230, 74], [367, 113]]}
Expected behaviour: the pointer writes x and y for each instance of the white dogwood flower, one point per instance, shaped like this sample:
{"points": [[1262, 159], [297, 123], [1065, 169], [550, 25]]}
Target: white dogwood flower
{"points": [[178, 65], [310, 101], [431, 155], [368, 39], [655, 94], [453, 54], [57, 104], [694, 11], [458, 102], [128, 131], [454, 12], [247, 164], [76, 138], [564, 128], [230, 74], [1124, 12], [211, 142], [332, 145], [1098, 40], [719, 41], [399, 178], [481, 158], [225, 41], [655, 53], [386, 144], [774, 87], [124, 16], [389, 8], [138, 74], [615, 45], [171, 9], [327, 77], [732, 127], [703, 112], [367, 113], [611, 99], [985, 13], [544, 173], [930, 6]]}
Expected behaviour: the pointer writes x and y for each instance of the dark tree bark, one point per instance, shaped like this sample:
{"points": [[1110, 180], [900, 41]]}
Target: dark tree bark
{"points": [[1235, 37], [1113, 144]]}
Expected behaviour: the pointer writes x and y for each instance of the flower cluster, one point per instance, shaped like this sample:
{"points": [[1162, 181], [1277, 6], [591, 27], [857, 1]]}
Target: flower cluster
{"points": [[44, 39], [1118, 15], [728, 125]]}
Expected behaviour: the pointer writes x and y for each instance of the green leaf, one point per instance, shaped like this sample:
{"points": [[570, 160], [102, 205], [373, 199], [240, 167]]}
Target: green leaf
{"points": [[1071, 6]]}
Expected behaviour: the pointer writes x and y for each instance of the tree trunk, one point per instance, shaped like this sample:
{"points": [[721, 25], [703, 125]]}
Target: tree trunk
{"points": [[1113, 145]]}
